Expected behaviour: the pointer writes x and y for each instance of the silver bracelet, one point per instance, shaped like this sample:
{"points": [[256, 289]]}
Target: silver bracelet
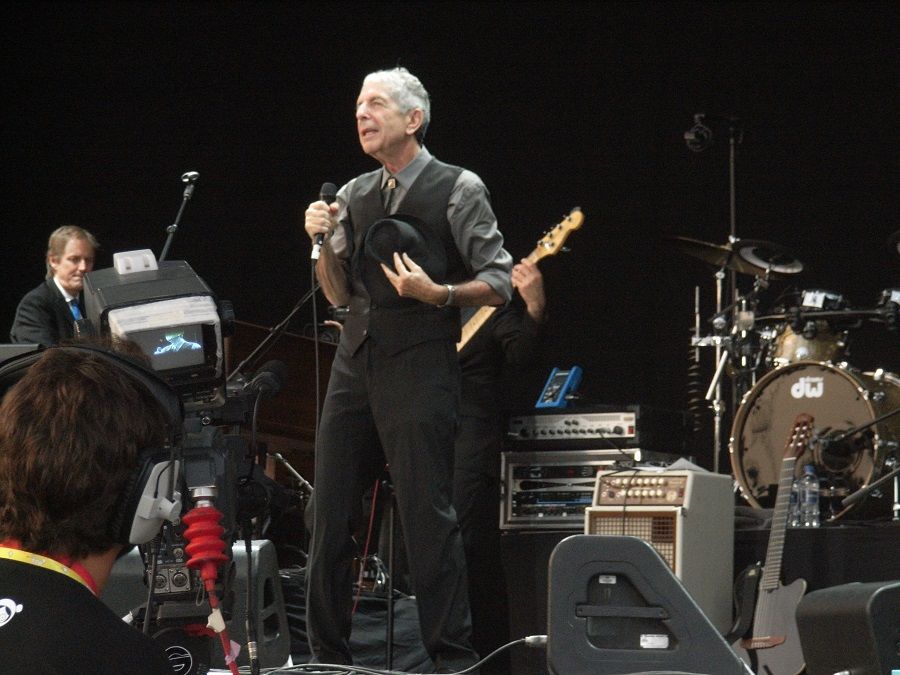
{"points": [[451, 292]]}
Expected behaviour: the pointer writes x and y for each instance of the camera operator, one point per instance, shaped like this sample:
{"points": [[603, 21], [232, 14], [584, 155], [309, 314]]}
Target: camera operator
{"points": [[71, 432]]}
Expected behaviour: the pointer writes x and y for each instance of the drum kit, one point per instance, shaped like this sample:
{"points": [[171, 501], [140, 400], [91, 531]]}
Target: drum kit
{"points": [[789, 361]]}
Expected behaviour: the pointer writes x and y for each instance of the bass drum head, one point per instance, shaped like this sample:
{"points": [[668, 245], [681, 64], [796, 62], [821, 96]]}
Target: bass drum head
{"points": [[838, 399]]}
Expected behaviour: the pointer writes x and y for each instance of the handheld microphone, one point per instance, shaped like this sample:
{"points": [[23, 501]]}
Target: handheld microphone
{"points": [[269, 379], [327, 194]]}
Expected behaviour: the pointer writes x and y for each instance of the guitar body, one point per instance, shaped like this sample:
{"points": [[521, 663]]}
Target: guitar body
{"points": [[773, 647], [759, 652]]}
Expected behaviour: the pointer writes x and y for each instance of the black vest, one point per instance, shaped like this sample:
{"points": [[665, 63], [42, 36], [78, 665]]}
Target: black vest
{"points": [[399, 328]]}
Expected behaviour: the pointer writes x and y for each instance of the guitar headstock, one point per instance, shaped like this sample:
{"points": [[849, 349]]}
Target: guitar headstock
{"points": [[551, 243], [800, 435]]}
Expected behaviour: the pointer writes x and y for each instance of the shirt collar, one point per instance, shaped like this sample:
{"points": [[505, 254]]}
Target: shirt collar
{"points": [[68, 296], [408, 174]]}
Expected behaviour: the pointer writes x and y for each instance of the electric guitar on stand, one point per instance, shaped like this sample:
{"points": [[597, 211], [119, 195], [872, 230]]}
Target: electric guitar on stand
{"points": [[550, 244], [773, 647]]}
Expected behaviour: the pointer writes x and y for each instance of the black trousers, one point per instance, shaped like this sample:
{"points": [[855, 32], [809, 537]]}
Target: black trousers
{"points": [[408, 402], [476, 498]]}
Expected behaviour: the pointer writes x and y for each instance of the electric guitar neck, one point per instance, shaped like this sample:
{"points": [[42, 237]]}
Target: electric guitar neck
{"points": [[550, 244]]}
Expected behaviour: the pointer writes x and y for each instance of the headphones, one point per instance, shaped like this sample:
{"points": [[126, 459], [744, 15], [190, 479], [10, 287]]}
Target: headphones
{"points": [[151, 493]]}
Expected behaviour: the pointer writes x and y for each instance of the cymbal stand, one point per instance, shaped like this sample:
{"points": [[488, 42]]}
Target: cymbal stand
{"points": [[735, 136]]}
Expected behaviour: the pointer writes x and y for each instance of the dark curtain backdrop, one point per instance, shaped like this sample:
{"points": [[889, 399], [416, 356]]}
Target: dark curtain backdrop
{"points": [[555, 105]]}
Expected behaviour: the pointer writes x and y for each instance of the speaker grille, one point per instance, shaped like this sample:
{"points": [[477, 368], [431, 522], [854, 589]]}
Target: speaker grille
{"points": [[657, 528]]}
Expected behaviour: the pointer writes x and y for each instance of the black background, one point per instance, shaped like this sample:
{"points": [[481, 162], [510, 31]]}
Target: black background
{"points": [[554, 105]]}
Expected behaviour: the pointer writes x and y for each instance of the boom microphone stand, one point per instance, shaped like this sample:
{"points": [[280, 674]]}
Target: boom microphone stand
{"points": [[190, 178], [698, 138], [275, 332]]}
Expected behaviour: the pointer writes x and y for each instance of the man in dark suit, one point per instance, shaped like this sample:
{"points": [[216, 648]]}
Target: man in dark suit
{"points": [[46, 315], [394, 383]]}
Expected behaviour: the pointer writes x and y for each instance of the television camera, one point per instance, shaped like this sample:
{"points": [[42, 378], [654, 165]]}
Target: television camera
{"points": [[175, 319]]}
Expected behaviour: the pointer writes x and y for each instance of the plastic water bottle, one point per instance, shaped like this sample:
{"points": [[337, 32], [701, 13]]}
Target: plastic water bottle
{"points": [[809, 497], [793, 518]]}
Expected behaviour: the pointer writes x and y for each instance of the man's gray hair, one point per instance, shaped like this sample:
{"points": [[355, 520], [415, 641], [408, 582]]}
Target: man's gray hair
{"points": [[408, 92]]}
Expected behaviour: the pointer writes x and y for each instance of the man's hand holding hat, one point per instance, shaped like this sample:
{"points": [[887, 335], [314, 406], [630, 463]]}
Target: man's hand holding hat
{"points": [[411, 281]]}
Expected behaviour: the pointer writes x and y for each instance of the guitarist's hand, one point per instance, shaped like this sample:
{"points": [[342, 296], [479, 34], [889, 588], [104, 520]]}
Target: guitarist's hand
{"points": [[528, 280]]}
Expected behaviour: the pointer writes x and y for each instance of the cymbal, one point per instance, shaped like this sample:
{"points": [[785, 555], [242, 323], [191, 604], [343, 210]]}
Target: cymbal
{"points": [[746, 256], [768, 256], [718, 256]]}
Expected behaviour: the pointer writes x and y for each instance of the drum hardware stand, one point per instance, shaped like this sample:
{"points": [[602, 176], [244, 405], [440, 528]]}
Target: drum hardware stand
{"points": [[844, 435], [716, 384], [895, 508], [743, 323], [894, 474], [714, 396]]}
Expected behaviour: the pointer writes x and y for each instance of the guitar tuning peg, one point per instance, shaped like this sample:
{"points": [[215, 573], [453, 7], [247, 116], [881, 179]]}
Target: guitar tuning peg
{"points": [[564, 249]]}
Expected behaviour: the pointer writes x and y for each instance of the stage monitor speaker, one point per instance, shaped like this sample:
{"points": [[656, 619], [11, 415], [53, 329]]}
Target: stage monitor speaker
{"points": [[615, 606], [852, 628], [126, 591]]}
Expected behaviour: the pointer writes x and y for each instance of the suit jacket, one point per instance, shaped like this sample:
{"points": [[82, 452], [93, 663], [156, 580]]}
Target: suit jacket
{"points": [[43, 317]]}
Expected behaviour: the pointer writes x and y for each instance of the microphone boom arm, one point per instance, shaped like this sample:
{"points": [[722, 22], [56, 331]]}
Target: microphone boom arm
{"points": [[190, 178], [275, 332]]}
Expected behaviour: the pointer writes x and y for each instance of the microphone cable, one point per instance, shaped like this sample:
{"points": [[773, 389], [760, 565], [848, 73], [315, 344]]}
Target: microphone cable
{"points": [[327, 194], [634, 472], [316, 357]]}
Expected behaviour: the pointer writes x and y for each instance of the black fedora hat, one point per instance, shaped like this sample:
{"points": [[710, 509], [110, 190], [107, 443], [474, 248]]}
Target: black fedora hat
{"points": [[400, 234]]}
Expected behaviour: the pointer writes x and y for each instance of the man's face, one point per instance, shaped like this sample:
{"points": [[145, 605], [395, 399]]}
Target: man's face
{"points": [[76, 260], [382, 127]]}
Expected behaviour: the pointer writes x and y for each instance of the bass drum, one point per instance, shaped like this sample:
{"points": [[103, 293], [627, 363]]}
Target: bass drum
{"points": [[838, 398]]}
